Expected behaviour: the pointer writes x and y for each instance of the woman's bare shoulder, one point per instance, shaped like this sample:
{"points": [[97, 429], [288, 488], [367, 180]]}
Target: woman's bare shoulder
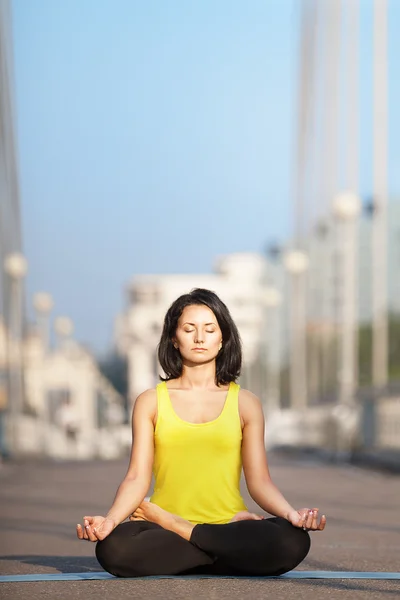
{"points": [[249, 404], [146, 401], [147, 395], [248, 397]]}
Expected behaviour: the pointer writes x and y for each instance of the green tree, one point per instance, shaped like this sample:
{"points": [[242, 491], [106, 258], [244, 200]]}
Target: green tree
{"points": [[365, 350]]}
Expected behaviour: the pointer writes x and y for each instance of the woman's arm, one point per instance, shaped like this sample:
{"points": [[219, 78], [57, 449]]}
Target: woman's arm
{"points": [[255, 466], [136, 482]]}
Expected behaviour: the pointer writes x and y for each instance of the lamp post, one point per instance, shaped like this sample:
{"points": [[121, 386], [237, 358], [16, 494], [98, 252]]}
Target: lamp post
{"points": [[43, 305], [346, 209], [296, 264], [272, 300], [15, 266], [64, 328], [380, 186]]}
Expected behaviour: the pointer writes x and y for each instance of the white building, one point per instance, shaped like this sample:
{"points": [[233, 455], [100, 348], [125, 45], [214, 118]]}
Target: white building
{"points": [[70, 410], [77, 408]]}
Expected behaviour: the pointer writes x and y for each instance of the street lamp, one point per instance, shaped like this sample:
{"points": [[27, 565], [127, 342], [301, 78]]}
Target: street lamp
{"points": [[43, 305], [64, 328], [296, 264], [15, 266], [272, 300], [346, 208]]}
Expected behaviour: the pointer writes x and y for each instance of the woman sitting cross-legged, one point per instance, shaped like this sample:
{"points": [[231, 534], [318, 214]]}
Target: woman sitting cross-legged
{"points": [[196, 431]]}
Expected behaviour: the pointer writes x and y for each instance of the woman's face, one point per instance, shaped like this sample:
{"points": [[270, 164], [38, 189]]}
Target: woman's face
{"points": [[198, 335]]}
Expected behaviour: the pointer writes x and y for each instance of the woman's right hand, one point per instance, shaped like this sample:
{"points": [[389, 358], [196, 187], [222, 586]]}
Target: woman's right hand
{"points": [[95, 529]]}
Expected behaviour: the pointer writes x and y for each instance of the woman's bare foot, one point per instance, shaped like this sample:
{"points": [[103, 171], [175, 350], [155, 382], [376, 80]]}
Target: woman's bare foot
{"points": [[244, 515], [147, 511]]}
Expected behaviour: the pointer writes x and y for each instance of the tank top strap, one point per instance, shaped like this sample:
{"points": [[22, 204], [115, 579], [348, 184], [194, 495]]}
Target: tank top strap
{"points": [[164, 407], [232, 401]]}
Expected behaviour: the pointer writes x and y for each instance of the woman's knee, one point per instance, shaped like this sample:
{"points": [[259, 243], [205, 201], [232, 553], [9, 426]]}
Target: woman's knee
{"points": [[294, 546], [111, 552], [107, 554]]}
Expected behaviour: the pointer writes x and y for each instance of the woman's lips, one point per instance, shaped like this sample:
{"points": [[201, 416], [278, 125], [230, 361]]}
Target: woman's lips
{"points": [[199, 349]]}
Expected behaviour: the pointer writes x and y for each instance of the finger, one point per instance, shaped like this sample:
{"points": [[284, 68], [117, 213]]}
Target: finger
{"points": [[309, 519], [79, 531], [84, 529], [314, 524], [92, 537], [322, 523], [84, 533]]}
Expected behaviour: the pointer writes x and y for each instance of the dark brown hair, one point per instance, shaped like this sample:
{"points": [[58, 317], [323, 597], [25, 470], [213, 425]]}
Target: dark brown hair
{"points": [[229, 358]]}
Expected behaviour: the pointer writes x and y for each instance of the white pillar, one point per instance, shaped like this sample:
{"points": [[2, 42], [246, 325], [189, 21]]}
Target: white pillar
{"points": [[379, 222], [296, 264], [346, 209], [15, 266]]}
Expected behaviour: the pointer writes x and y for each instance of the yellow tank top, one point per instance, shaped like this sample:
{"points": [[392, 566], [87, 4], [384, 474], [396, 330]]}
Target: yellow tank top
{"points": [[197, 467]]}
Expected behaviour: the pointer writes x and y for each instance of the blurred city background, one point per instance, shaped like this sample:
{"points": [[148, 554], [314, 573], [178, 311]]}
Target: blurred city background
{"points": [[150, 148]]}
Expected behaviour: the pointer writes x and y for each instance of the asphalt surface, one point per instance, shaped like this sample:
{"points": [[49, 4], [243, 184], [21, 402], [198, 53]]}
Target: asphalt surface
{"points": [[40, 504]]}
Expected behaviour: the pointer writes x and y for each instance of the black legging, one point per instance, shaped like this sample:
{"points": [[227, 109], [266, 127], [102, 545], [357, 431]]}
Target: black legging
{"points": [[268, 547]]}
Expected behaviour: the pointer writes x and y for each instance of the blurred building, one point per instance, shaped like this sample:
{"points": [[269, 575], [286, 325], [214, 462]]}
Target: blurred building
{"points": [[240, 282], [71, 410]]}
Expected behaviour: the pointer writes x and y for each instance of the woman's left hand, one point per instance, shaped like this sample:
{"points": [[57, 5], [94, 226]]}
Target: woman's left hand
{"points": [[307, 518]]}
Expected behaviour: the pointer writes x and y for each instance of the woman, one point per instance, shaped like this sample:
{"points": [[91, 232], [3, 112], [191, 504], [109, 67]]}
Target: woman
{"points": [[195, 431]]}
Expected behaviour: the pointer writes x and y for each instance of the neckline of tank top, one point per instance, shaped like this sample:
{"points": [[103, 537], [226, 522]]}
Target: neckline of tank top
{"points": [[189, 423]]}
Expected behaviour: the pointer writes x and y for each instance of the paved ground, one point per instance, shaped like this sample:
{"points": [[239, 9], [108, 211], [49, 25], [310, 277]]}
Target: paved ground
{"points": [[40, 503]]}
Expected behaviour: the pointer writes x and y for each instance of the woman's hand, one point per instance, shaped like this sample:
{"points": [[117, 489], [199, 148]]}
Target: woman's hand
{"points": [[307, 518], [95, 529]]}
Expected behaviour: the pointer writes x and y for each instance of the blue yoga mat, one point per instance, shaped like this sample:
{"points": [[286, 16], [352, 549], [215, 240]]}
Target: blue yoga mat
{"points": [[291, 575]]}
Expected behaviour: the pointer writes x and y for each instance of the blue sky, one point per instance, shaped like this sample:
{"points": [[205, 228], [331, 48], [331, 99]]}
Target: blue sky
{"points": [[153, 136]]}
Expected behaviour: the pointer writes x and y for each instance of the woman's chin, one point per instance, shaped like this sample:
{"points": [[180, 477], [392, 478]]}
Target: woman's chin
{"points": [[198, 359]]}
